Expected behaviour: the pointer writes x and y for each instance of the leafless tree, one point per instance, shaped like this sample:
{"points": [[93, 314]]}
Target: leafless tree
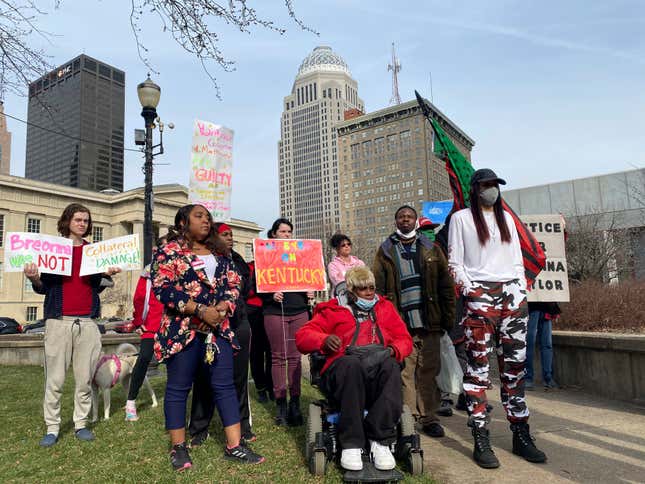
{"points": [[19, 61], [597, 249], [189, 22]]}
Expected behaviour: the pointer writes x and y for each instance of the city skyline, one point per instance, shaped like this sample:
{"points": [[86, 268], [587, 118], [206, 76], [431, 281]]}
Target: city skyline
{"points": [[548, 92]]}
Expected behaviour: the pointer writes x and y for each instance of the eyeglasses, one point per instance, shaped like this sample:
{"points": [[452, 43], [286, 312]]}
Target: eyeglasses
{"points": [[363, 288]]}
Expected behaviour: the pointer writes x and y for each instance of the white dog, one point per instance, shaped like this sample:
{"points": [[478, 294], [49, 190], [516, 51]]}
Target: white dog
{"points": [[112, 369]]}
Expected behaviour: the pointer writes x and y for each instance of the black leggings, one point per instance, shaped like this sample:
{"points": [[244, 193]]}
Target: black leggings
{"points": [[141, 367]]}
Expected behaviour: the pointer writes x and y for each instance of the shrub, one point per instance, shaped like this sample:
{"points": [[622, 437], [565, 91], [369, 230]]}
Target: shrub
{"points": [[595, 306]]}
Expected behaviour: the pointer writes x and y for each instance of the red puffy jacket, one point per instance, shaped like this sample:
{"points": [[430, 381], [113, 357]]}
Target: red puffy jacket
{"points": [[147, 308], [331, 318]]}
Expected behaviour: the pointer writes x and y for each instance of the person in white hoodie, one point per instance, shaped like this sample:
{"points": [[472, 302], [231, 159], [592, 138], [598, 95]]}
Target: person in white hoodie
{"points": [[485, 259]]}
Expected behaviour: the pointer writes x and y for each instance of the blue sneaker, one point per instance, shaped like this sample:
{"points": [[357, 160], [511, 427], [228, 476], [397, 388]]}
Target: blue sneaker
{"points": [[85, 435], [48, 440]]}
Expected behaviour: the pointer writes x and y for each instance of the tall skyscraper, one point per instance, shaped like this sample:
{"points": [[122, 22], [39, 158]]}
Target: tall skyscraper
{"points": [[5, 143], [308, 154], [386, 159], [81, 104]]}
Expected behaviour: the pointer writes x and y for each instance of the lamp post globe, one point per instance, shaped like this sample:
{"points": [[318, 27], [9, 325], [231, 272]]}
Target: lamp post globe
{"points": [[149, 94]]}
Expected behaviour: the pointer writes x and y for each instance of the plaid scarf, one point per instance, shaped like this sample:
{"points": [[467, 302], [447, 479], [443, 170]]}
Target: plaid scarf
{"points": [[411, 300]]}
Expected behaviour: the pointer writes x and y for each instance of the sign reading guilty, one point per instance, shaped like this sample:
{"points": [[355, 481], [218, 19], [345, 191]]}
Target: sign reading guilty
{"points": [[552, 284], [122, 252], [211, 168], [289, 265], [52, 255]]}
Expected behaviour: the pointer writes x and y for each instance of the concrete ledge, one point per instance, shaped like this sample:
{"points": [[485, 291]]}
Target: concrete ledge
{"points": [[604, 364], [634, 343], [29, 349]]}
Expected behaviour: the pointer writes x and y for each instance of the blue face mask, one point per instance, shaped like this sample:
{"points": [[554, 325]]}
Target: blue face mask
{"points": [[366, 304]]}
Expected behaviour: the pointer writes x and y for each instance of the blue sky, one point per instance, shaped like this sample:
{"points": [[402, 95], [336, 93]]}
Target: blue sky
{"points": [[549, 90]]}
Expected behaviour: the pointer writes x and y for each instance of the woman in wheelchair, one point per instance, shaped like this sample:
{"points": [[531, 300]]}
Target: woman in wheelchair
{"points": [[365, 342]]}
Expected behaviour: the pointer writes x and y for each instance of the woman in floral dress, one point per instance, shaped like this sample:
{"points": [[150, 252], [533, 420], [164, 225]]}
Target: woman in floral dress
{"points": [[198, 291]]}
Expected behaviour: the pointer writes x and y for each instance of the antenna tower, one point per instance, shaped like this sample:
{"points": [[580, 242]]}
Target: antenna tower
{"points": [[395, 67]]}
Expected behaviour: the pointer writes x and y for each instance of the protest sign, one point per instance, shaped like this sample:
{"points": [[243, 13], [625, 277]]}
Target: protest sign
{"points": [[289, 265], [437, 211], [52, 255], [552, 284], [122, 252], [211, 168]]}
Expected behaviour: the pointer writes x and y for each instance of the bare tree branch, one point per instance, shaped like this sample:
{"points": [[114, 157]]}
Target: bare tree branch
{"points": [[19, 62], [188, 22]]}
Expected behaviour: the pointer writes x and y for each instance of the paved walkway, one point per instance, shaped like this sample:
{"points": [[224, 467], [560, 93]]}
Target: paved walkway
{"points": [[586, 439]]}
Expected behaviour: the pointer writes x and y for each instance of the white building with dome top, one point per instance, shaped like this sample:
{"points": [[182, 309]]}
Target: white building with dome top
{"points": [[307, 151]]}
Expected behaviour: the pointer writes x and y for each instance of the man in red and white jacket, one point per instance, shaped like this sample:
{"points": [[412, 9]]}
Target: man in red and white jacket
{"points": [[147, 318]]}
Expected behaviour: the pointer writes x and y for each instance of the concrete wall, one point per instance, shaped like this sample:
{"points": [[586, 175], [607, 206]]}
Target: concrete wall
{"points": [[608, 365], [29, 349]]}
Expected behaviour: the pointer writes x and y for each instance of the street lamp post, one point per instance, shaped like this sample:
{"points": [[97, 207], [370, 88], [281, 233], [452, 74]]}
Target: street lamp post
{"points": [[149, 94]]}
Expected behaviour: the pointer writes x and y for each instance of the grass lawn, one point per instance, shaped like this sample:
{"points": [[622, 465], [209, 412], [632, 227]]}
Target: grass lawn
{"points": [[136, 451]]}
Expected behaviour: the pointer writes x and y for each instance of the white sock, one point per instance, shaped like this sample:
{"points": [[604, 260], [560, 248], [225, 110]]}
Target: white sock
{"points": [[130, 404]]}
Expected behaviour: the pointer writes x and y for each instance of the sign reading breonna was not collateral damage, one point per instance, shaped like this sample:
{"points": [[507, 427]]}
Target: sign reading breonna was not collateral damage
{"points": [[122, 252], [52, 255], [552, 284], [211, 168]]}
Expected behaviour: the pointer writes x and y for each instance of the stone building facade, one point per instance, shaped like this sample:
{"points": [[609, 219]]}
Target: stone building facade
{"points": [[386, 159], [33, 206]]}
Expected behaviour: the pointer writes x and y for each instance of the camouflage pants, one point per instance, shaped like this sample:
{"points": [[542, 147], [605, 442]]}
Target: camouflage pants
{"points": [[496, 318]]}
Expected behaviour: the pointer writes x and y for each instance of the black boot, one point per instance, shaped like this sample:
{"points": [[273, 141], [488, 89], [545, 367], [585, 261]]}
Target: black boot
{"points": [[523, 444], [281, 416], [482, 452], [461, 403], [294, 417]]}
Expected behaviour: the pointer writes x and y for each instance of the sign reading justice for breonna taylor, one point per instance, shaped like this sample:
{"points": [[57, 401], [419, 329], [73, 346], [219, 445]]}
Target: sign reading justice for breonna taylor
{"points": [[289, 265], [552, 283], [52, 255], [211, 168]]}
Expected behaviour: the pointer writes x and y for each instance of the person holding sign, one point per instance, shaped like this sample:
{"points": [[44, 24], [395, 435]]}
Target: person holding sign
{"points": [[284, 314], [71, 336], [198, 292], [486, 260]]}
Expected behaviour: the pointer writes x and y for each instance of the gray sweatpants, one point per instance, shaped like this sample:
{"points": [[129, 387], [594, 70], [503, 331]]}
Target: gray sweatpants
{"points": [[76, 340]]}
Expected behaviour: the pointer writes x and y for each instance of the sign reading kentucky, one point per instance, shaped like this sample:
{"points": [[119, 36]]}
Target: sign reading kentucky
{"points": [[289, 265]]}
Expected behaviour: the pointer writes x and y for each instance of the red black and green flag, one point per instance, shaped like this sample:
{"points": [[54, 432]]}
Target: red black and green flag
{"points": [[459, 172]]}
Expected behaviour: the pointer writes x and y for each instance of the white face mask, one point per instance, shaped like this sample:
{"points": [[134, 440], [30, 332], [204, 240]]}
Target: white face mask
{"points": [[489, 196], [410, 235]]}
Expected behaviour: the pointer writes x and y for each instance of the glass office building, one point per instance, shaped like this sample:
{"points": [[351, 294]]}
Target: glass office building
{"points": [[76, 122]]}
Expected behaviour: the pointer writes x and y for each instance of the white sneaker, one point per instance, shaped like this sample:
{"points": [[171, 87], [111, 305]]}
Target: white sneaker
{"points": [[382, 456], [351, 460]]}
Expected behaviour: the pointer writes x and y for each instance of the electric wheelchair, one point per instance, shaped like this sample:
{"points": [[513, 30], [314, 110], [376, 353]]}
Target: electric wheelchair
{"points": [[322, 444]]}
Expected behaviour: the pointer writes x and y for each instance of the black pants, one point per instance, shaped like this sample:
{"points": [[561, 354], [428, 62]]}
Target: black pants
{"points": [[201, 410], [260, 351], [140, 367], [345, 385]]}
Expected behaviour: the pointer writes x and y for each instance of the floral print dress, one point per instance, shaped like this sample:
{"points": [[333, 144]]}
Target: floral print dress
{"points": [[178, 276]]}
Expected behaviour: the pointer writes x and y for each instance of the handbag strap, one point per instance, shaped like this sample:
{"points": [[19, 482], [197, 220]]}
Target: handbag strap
{"points": [[371, 315]]}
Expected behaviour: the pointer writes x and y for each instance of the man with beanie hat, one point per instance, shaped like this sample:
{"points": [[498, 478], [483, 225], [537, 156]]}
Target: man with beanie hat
{"points": [[413, 273]]}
